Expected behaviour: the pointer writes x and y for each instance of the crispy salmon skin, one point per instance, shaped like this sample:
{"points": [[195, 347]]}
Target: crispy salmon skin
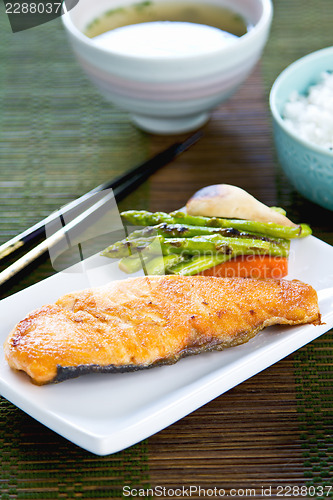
{"points": [[142, 322]]}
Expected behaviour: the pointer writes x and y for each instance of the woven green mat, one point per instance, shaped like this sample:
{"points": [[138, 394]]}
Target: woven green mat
{"points": [[38, 464], [57, 136], [58, 139], [297, 30]]}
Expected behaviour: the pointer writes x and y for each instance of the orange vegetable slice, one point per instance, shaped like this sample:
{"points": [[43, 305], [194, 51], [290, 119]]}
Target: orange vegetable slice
{"points": [[250, 266]]}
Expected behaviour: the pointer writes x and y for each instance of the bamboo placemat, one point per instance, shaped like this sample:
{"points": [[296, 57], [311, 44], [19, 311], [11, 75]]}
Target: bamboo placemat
{"points": [[58, 137]]}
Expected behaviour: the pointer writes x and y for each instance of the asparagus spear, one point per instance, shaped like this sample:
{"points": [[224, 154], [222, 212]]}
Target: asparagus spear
{"points": [[266, 228], [151, 265], [188, 231], [126, 247], [198, 264], [211, 244], [132, 263], [162, 264], [144, 218]]}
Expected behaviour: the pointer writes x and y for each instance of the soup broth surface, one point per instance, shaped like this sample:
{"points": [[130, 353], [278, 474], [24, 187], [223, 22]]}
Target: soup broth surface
{"points": [[149, 11]]}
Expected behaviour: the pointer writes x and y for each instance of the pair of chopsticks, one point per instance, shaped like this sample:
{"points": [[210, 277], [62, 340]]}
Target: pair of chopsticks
{"points": [[121, 186]]}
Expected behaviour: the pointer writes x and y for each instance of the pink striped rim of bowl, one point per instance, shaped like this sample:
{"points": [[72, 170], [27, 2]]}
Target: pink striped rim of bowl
{"points": [[185, 89]]}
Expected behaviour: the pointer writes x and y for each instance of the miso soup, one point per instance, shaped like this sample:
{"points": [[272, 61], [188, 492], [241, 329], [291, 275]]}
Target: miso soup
{"points": [[189, 12]]}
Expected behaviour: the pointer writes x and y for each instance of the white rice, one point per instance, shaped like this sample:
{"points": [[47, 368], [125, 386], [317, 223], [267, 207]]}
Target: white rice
{"points": [[311, 116]]}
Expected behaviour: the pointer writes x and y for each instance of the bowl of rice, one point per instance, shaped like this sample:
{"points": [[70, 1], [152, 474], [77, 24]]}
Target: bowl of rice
{"points": [[301, 103]]}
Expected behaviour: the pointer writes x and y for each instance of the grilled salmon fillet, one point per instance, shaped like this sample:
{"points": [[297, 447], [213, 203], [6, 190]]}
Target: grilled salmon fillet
{"points": [[141, 322]]}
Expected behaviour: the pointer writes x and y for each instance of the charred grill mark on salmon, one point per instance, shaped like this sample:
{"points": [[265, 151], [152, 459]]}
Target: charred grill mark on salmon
{"points": [[144, 322]]}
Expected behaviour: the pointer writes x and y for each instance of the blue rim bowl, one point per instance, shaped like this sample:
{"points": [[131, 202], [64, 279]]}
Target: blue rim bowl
{"points": [[309, 167]]}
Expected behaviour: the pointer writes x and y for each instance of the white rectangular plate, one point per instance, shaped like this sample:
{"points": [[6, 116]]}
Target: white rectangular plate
{"points": [[105, 413]]}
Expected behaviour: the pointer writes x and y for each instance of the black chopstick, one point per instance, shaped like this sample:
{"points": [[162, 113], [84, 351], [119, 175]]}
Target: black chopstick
{"points": [[122, 186], [45, 245]]}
